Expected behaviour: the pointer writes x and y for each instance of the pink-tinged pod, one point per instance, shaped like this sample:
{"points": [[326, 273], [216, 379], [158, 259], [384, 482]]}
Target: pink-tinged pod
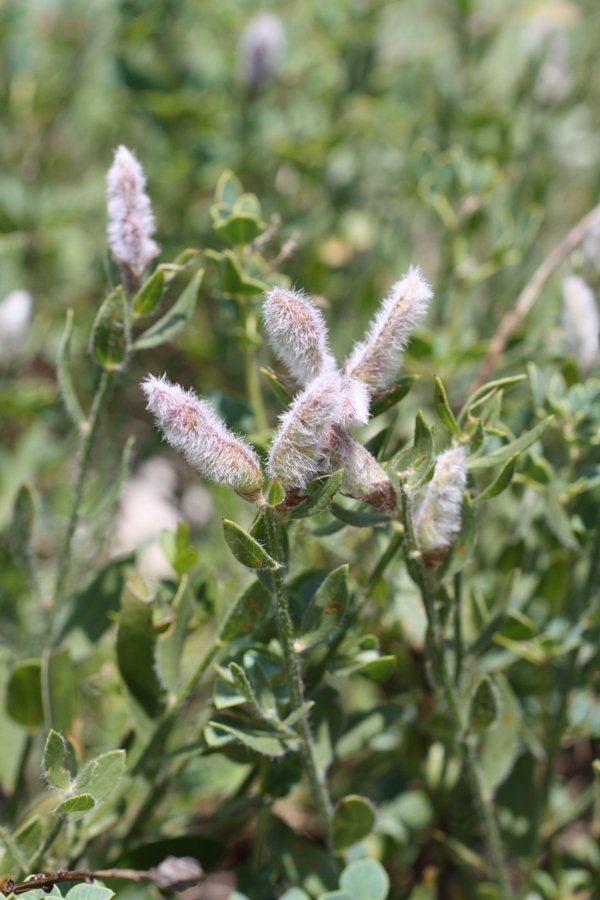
{"points": [[130, 219], [190, 425], [297, 334], [363, 477], [438, 517], [377, 359], [298, 445]]}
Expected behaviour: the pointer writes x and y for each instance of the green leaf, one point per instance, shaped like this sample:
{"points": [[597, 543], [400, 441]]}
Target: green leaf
{"points": [[136, 652], [359, 519], [461, 547], [79, 803], [240, 679], [294, 894], [92, 608], [376, 669], [516, 626], [501, 740], [228, 189], [442, 407], [240, 228], [174, 320], [59, 689], [24, 694], [501, 481], [508, 450], [101, 776], [149, 295], [170, 647], [490, 388], [484, 705], [245, 549], [89, 892], [248, 613], [262, 742], [108, 342], [276, 386], [234, 282], [177, 548], [29, 836], [419, 453], [320, 500], [476, 437], [365, 879], [276, 494], [353, 819], [55, 754], [325, 612], [384, 400], [23, 520], [63, 372]]}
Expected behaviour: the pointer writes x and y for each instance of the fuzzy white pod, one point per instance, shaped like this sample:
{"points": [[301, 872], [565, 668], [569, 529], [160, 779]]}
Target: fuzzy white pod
{"points": [[190, 425], [363, 477], [377, 359], [581, 321], [15, 314], [130, 219], [356, 400], [298, 445], [438, 518], [260, 49], [297, 333]]}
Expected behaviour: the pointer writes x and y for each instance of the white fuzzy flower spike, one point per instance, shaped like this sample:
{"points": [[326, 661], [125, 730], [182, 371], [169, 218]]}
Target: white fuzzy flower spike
{"points": [[363, 477], [15, 313], [298, 445], [437, 519], [297, 334], [130, 220], [190, 425], [581, 321], [260, 49], [377, 359]]}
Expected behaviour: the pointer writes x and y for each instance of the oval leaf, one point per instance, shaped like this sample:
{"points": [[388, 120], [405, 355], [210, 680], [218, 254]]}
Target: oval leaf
{"points": [[136, 652], [108, 343], [365, 879], [384, 400], [63, 372], [55, 753], [240, 228], [321, 499], [248, 613], [514, 447], [102, 775], [442, 408], [149, 295], [501, 481], [325, 611], [359, 519], [484, 705], [245, 549], [353, 819], [260, 741], [174, 320], [77, 804], [24, 694]]}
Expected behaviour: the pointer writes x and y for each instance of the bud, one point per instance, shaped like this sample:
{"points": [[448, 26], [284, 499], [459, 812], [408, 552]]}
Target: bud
{"points": [[580, 321], [363, 478], [260, 49], [297, 334], [190, 426], [378, 358], [437, 519], [297, 449], [15, 313], [130, 219]]}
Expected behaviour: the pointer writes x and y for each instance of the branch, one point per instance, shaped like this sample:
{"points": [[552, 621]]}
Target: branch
{"points": [[531, 291]]}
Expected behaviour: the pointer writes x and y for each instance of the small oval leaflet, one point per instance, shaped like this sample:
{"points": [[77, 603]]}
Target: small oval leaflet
{"points": [[353, 819], [245, 549]]}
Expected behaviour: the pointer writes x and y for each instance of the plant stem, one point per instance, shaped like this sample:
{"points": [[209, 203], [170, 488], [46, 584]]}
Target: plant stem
{"points": [[13, 803], [481, 795], [291, 664], [458, 638], [250, 367], [45, 845], [87, 438]]}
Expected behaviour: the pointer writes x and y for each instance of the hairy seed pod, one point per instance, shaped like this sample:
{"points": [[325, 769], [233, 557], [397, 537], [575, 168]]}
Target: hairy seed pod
{"points": [[130, 219], [298, 445], [581, 321], [355, 406], [260, 49], [297, 334], [437, 519], [363, 478], [190, 425], [376, 360], [15, 313]]}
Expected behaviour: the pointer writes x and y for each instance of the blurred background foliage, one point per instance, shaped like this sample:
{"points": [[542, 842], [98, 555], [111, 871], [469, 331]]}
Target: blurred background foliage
{"points": [[463, 137]]}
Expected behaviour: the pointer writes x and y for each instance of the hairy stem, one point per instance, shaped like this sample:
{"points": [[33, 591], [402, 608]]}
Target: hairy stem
{"points": [[444, 682], [293, 676], [87, 440], [45, 845], [250, 367]]}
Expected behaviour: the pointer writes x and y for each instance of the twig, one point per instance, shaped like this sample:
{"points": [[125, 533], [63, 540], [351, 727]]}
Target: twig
{"points": [[531, 291], [47, 881], [286, 251]]}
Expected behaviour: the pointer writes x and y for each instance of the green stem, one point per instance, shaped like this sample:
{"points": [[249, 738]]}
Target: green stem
{"points": [[87, 440], [13, 803], [45, 845], [250, 368], [483, 798], [291, 664], [458, 638]]}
